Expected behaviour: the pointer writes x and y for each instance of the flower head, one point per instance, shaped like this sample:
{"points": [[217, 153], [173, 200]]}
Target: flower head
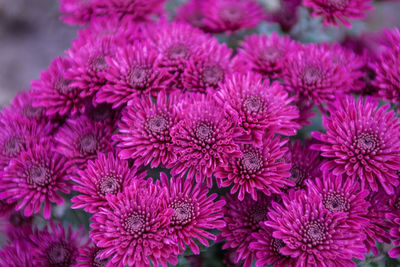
{"points": [[36, 177], [335, 11], [54, 93], [190, 12], [203, 140], [310, 73], [77, 11], [80, 140], [231, 15], [89, 257], [194, 212], [363, 141], [259, 169], [135, 230], [266, 54], [133, 71], [256, 106], [242, 219], [145, 131], [312, 234], [106, 175], [56, 246]]}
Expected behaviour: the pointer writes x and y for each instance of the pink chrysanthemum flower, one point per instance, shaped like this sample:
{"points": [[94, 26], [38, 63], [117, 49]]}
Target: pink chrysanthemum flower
{"points": [[313, 235], [207, 68], [53, 91], [340, 194], [286, 14], [256, 106], [335, 11], [76, 11], [242, 219], [231, 15], [387, 71], [266, 249], [203, 140], [36, 177], [56, 246], [176, 43], [190, 12], [133, 71], [18, 253], [135, 230], [266, 54], [106, 175], [145, 131], [362, 141], [21, 109], [89, 257], [260, 169], [305, 163], [81, 139], [16, 137], [88, 65], [311, 75], [194, 212]]}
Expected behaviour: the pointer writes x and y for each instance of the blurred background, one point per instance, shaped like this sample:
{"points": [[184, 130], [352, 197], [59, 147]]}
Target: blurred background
{"points": [[31, 35]]}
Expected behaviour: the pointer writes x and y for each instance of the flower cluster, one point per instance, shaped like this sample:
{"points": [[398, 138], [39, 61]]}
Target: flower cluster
{"points": [[172, 140]]}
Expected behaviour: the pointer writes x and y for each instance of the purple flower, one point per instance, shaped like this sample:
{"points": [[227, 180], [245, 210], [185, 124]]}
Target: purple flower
{"points": [[76, 11], [106, 175], [259, 169], [18, 253], [89, 257], [191, 12], [135, 230], [133, 71], [242, 219], [80, 140], [313, 235], [36, 177], [363, 141], [203, 140], [267, 54], [231, 15], [311, 75], [335, 11], [145, 131], [256, 106], [194, 212], [54, 93], [56, 246]]}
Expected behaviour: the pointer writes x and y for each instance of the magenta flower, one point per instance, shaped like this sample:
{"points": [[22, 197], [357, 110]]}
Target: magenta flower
{"points": [[256, 106], [53, 91], [311, 75], [88, 65], [267, 54], [81, 139], [145, 131], [36, 177], [387, 77], [286, 14], [266, 249], [362, 141], [135, 230], [231, 15], [76, 11], [56, 246], [176, 43], [207, 68], [203, 140], [194, 212], [133, 71], [340, 194], [394, 234], [191, 12], [312, 234], [106, 175], [18, 253], [259, 169], [304, 161], [242, 219], [89, 257], [334, 11]]}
